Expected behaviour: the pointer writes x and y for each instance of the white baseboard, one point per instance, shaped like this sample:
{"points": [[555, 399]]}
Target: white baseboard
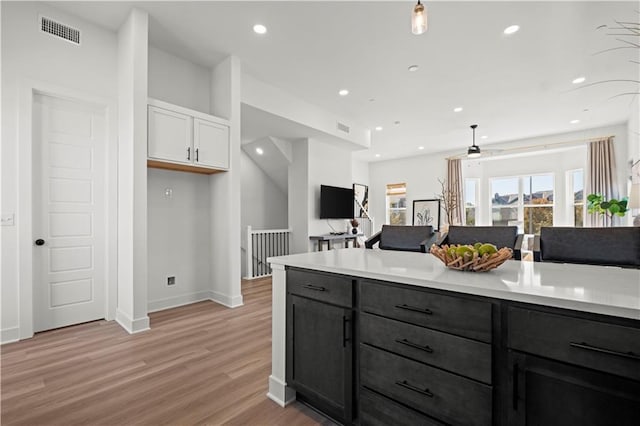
{"points": [[280, 393], [174, 302], [256, 278], [9, 335], [132, 326], [228, 301]]}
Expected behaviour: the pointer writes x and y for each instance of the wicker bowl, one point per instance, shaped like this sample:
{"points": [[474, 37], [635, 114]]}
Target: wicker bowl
{"points": [[472, 260]]}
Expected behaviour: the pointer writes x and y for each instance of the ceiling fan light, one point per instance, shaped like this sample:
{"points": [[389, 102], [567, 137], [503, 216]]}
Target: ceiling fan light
{"points": [[419, 19], [473, 151]]}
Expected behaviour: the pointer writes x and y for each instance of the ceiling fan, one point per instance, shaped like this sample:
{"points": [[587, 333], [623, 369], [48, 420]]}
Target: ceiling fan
{"points": [[474, 150]]}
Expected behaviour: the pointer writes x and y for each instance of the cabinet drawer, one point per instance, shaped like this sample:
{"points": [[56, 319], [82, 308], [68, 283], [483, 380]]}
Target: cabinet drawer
{"points": [[445, 396], [376, 410], [456, 354], [601, 346], [328, 288], [464, 317]]}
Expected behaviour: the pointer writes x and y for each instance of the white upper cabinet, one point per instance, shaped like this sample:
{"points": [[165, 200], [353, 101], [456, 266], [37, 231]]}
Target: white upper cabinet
{"points": [[169, 135], [211, 143], [183, 139]]}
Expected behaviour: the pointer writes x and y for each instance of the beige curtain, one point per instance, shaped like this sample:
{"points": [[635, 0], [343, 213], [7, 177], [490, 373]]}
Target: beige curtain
{"points": [[601, 177], [454, 188]]}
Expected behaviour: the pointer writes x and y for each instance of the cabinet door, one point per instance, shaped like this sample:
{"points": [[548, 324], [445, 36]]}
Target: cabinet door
{"points": [[549, 393], [211, 143], [319, 349], [169, 135]]}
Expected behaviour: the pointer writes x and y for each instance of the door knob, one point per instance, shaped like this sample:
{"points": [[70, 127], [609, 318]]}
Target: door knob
{"points": [[39, 242]]}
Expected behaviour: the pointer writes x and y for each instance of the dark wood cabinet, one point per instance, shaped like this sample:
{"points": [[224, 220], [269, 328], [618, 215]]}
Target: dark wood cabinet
{"points": [[572, 370], [320, 344], [409, 355], [550, 393]]}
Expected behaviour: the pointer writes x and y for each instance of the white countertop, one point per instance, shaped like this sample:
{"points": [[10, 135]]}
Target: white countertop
{"points": [[597, 289]]}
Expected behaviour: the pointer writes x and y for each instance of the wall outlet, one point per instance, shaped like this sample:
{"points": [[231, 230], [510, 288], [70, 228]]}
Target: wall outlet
{"points": [[171, 280]]}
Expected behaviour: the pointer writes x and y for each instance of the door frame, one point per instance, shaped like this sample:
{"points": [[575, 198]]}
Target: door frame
{"points": [[27, 91]]}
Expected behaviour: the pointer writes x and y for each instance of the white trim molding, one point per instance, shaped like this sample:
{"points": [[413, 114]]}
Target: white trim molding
{"points": [[132, 326], [225, 300], [181, 300], [279, 392], [9, 335]]}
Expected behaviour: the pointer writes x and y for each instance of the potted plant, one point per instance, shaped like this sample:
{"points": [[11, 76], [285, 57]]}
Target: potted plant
{"points": [[597, 204]]}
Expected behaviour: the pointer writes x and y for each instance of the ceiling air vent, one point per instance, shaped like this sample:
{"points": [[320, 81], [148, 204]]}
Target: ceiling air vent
{"points": [[57, 29], [342, 127]]}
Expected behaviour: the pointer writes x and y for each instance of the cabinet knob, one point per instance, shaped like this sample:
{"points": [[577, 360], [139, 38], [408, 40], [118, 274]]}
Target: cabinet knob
{"points": [[39, 242]]}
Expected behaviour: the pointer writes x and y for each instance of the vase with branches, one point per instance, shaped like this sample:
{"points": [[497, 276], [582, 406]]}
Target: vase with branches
{"points": [[448, 200]]}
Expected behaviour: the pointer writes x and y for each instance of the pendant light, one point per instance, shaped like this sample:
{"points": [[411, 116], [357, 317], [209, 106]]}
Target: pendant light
{"points": [[419, 19], [474, 150]]}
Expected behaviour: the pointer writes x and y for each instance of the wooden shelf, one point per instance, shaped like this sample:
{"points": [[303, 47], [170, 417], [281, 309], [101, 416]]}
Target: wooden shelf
{"points": [[155, 164]]}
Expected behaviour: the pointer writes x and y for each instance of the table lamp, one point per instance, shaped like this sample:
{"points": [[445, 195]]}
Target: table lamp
{"points": [[634, 202]]}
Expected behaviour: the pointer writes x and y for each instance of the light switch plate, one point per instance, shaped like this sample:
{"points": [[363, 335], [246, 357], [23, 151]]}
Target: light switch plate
{"points": [[8, 219]]}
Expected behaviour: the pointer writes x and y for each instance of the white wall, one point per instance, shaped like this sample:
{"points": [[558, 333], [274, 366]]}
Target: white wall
{"points": [[298, 209], [328, 165], [132, 172], [177, 81], [30, 57], [225, 189], [420, 173], [263, 205], [179, 242]]}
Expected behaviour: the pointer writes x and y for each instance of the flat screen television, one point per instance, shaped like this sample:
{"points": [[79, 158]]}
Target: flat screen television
{"points": [[335, 202]]}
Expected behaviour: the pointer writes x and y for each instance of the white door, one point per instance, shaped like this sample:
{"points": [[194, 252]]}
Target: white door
{"points": [[211, 142], [69, 193], [169, 136]]}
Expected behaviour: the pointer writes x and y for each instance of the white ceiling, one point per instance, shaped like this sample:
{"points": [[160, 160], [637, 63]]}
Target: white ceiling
{"points": [[513, 87]]}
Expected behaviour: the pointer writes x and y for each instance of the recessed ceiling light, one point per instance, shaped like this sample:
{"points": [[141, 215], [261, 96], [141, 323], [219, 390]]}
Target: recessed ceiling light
{"points": [[574, 121], [578, 80], [378, 128], [343, 92], [259, 151], [484, 137], [259, 29], [377, 155], [421, 147], [413, 68], [511, 29], [457, 109]]}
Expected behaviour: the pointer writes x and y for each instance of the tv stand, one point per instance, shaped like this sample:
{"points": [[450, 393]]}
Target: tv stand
{"points": [[328, 238]]}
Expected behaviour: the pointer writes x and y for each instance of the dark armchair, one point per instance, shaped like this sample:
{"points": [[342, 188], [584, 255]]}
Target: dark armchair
{"points": [[617, 246], [403, 238], [500, 236]]}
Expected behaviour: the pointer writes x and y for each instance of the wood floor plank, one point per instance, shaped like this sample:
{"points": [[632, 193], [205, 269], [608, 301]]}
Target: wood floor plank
{"points": [[199, 364]]}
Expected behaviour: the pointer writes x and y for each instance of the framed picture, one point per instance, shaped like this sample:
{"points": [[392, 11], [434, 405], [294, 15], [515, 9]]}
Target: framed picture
{"points": [[426, 212], [361, 200]]}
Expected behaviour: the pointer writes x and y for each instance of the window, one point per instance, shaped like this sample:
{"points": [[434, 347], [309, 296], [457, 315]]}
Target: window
{"points": [[506, 200], [397, 204], [470, 196], [577, 184], [524, 200], [538, 202]]}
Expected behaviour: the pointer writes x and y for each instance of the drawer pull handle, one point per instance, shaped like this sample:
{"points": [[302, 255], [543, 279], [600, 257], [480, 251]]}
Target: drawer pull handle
{"points": [[314, 287], [406, 384], [586, 346], [415, 309], [415, 345]]}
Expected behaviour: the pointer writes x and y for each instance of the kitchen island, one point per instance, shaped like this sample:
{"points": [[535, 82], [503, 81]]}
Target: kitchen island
{"points": [[499, 319]]}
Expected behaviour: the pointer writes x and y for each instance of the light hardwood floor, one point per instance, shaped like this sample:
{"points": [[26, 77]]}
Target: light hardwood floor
{"points": [[199, 364]]}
